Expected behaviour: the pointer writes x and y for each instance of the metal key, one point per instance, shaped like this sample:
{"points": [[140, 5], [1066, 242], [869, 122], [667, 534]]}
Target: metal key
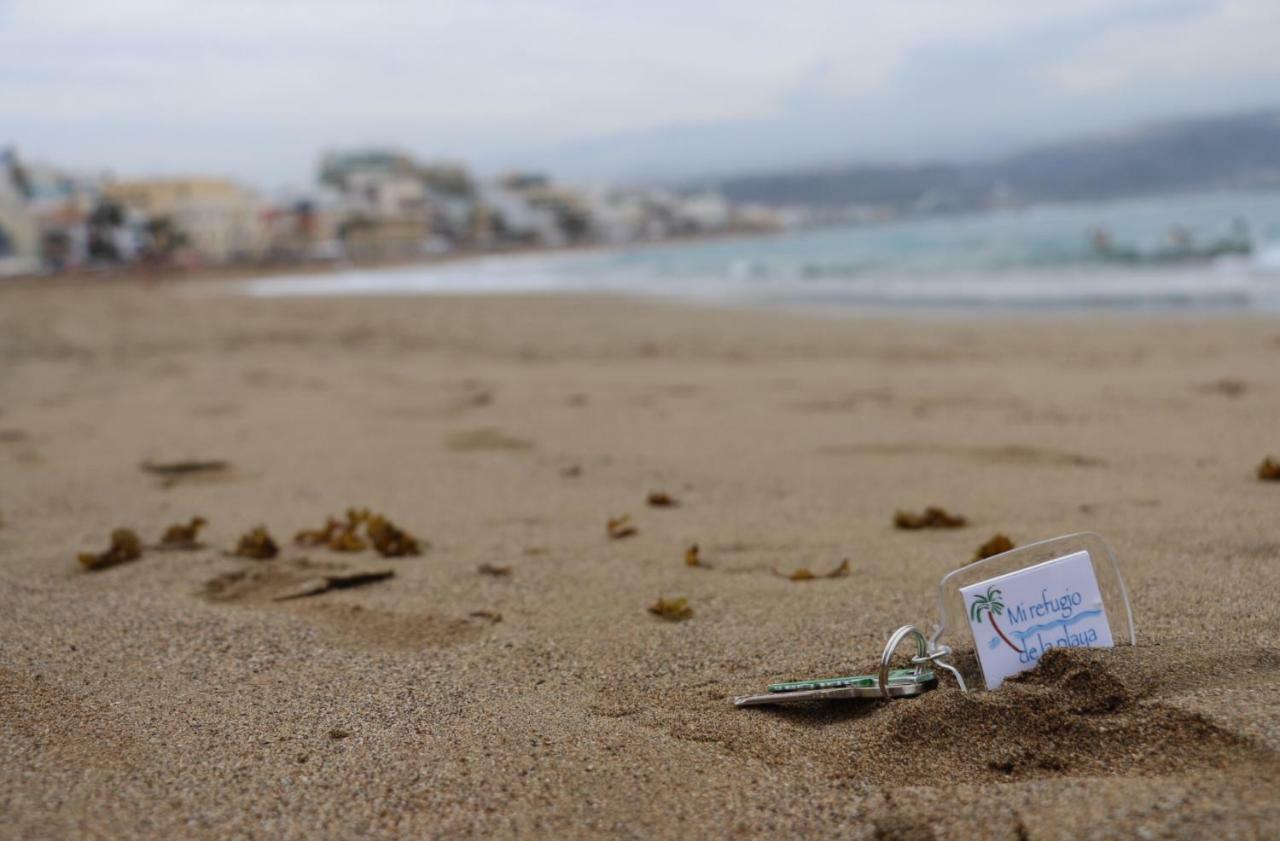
{"points": [[902, 683], [888, 683]]}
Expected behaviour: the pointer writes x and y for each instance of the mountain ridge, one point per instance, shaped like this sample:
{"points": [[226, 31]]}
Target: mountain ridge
{"points": [[1239, 150]]}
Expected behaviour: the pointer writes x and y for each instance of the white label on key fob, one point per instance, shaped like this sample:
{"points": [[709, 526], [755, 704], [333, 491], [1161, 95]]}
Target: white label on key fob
{"points": [[1018, 616]]}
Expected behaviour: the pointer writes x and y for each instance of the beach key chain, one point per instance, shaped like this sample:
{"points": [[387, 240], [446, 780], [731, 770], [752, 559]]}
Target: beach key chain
{"points": [[1004, 613]]}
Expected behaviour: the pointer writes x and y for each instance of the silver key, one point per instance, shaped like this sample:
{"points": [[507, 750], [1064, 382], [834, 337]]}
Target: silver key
{"points": [[902, 683], [887, 683]]}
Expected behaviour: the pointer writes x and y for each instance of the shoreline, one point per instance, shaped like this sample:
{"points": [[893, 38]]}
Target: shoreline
{"points": [[213, 274]]}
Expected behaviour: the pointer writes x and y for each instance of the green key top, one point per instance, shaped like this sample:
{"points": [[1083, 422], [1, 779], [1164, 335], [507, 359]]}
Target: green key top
{"points": [[895, 676], [902, 683]]}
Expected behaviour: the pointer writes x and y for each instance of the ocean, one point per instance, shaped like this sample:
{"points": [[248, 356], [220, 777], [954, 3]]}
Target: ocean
{"points": [[1159, 255]]}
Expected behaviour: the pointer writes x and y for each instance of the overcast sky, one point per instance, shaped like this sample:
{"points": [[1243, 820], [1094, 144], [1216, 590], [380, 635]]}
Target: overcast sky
{"points": [[605, 88]]}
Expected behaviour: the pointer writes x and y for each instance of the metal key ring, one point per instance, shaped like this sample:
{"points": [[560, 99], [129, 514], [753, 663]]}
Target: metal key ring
{"points": [[922, 654]]}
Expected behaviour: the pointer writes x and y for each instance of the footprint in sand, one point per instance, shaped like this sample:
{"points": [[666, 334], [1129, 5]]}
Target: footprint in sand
{"points": [[1009, 454], [1226, 387], [215, 410], [260, 585], [846, 402]]}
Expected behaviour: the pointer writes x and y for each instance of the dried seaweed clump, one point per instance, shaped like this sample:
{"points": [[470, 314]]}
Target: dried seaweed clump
{"points": [[257, 544], [672, 610], [693, 557], [180, 536], [662, 499], [998, 544], [320, 536], [494, 570], [932, 517], [338, 535], [620, 527], [125, 546], [804, 574], [344, 535], [346, 540], [1269, 470], [389, 541]]}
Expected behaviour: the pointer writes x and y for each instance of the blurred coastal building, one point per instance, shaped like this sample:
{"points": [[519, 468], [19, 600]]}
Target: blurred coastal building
{"points": [[650, 215], [198, 220], [512, 219], [64, 205], [381, 203], [530, 209], [19, 237], [391, 205], [368, 204], [304, 228], [459, 218]]}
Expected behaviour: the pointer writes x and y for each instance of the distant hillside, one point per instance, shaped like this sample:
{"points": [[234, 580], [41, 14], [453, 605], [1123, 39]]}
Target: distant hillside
{"points": [[1241, 150]]}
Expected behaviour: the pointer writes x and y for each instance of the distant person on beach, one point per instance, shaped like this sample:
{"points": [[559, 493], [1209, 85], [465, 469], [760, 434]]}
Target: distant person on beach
{"points": [[1106, 247], [1180, 238]]}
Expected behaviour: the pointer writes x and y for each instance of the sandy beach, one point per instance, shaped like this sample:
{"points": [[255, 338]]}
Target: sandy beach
{"points": [[173, 697]]}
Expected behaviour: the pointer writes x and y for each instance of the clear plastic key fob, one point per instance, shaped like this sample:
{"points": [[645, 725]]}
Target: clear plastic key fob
{"points": [[1004, 612]]}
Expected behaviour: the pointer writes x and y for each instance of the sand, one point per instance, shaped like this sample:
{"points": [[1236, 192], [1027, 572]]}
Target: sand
{"points": [[173, 697]]}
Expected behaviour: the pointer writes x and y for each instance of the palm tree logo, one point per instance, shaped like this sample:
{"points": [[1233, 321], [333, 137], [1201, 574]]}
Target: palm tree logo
{"points": [[991, 605]]}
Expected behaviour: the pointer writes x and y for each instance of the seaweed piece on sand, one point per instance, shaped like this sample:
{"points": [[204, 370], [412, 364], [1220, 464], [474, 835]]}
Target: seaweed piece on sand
{"points": [[183, 536], [320, 536], [998, 544], [804, 574], [1269, 470], [662, 499], [933, 517], [672, 610], [841, 570], [620, 527], [346, 540], [125, 546], [388, 540], [258, 544]]}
